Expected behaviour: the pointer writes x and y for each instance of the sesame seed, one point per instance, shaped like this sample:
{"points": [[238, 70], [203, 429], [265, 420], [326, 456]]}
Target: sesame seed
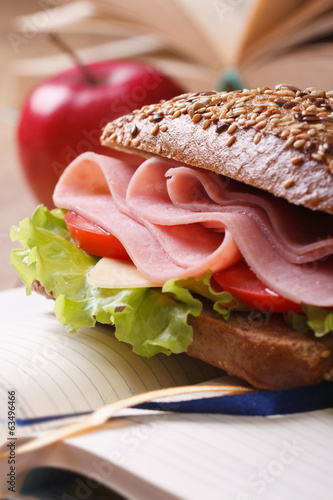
{"points": [[297, 161], [215, 102], [311, 108], [259, 110], [135, 143], [257, 138], [230, 141], [196, 106], [290, 141], [289, 183], [164, 128], [279, 101], [127, 142], [134, 131], [223, 112], [319, 102], [260, 118], [156, 118], [158, 148], [150, 110], [295, 131], [155, 129], [196, 118], [239, 110], [176, 114], [286, 119], [318, 93], [244, 99], [289, 104], [299, 143], [287, 86], [286, 92], [248, 123], [221, 127], [206, 124], [232, 128], [261, 124], [317, 156]]}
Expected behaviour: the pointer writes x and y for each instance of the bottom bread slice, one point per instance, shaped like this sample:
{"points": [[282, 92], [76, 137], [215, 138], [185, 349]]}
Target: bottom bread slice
{"points": [[267, 355]]}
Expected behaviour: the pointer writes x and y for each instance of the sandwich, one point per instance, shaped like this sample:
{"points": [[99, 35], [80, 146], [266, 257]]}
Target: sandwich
{"points": [[212, 236]]}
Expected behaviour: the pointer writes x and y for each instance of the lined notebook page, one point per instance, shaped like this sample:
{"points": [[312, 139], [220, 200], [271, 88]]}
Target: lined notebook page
{"points": [[56, 373], [196, 456]]}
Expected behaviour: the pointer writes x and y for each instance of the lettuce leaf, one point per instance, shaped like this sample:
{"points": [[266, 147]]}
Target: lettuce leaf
{"points": [[152, 320], [317, 319]]}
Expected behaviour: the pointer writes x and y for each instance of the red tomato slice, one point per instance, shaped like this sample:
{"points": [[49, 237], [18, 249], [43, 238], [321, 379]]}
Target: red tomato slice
{"points": [[243, 284], [93, 239]]}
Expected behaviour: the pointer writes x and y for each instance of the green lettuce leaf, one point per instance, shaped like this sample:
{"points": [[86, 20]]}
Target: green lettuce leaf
{"points": [[152, 320], [317, 319]]}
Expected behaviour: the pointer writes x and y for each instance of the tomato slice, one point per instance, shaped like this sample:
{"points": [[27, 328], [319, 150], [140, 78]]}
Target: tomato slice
{"points": [[243, 284], [93, 239]]}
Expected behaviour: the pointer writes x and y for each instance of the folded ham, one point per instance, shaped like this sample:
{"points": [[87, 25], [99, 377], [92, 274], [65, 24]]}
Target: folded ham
{"points": [[177, 221]]}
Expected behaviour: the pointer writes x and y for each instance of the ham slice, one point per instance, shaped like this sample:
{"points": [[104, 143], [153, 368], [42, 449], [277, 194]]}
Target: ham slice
{"points": [[177, 221]]}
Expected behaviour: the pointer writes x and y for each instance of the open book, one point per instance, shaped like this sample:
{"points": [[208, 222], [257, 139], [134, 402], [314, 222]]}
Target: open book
{"points": [[56, 374], [51, 379], [155, 456], [204, 44]]}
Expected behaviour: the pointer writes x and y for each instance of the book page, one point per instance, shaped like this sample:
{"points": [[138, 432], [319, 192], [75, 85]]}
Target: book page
{"points": [[265, 16], [312, 18], [55, 373], [303, 67], [167, 20], [221, 23], [196, 456]]}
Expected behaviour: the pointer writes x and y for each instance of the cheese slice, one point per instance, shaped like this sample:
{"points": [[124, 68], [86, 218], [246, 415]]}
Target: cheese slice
{"points": [[112, 273]]}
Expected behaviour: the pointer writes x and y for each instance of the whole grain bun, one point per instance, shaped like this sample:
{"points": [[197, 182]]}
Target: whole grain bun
{"points": [[278, 140], [267, 355]]}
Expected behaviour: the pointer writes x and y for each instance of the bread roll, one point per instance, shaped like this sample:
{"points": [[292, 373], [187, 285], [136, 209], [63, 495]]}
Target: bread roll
{"points": [[278, 140]]}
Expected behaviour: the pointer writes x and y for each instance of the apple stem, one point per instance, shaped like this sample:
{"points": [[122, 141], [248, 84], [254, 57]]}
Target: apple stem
{"points": [[89, 75]]}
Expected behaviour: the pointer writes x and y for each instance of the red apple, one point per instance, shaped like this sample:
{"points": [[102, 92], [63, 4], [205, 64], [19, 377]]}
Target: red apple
{"points": [[64, 115]]}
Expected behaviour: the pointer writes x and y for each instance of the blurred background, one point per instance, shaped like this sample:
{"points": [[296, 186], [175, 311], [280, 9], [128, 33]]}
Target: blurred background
{"points": [[200, 44]]}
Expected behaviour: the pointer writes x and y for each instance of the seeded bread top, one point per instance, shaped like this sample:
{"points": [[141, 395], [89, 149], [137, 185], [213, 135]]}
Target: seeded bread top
{"points": [[278, 140]]}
